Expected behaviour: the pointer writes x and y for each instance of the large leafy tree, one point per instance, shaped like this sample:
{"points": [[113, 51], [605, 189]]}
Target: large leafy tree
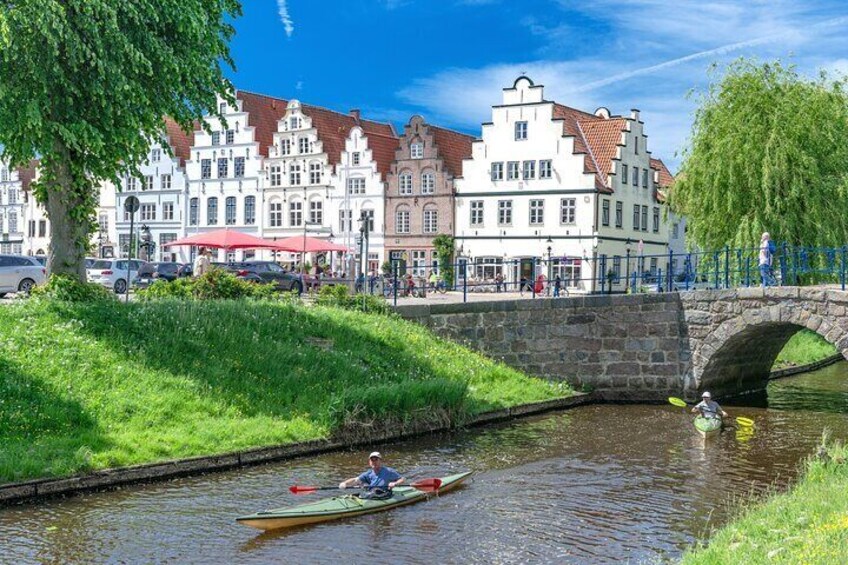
{"points": [[768, 152], [84, 86]]}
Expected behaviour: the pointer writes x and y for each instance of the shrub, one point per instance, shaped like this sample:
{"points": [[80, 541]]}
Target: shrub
{"points": [[217, 284], [339, 296], [70, 289]]}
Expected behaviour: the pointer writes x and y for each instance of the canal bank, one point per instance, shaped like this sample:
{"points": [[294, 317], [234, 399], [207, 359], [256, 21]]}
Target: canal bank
{"points": [[598, 484]]}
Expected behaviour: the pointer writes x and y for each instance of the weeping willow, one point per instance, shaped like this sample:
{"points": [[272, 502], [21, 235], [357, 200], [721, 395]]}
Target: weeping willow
{"points": [[768, 152]]}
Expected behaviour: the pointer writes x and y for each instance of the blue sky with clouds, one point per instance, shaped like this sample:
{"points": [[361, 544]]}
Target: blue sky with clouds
{"points": [[449, 59]]}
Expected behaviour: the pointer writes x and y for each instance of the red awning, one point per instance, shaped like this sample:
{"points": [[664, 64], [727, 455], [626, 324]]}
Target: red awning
{"points": [[224, 239], [300, 244]]}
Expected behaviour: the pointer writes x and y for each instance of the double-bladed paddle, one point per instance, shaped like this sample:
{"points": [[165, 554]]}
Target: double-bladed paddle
{"points": [[424, 485], [741, 420]]}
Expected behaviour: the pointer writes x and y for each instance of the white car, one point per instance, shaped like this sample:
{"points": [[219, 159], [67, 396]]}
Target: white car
{"points": [[112, 273], [20, 274]]}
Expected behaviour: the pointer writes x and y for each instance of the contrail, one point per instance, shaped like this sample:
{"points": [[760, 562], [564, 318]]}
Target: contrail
{"points": [[723, 50], [288, 24]]}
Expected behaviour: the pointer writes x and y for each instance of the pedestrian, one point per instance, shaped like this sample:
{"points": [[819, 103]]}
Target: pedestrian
{"points": [[521, 284], [767, 249], [557, 285], [499, 282], [202, 263]]}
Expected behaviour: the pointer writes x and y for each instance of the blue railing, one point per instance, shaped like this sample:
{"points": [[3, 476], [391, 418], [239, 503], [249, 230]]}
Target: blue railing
{"points": [[669, 272]]}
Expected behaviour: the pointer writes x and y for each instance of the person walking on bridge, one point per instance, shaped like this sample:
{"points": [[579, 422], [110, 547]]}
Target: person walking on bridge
{"points": [[767, 249]]}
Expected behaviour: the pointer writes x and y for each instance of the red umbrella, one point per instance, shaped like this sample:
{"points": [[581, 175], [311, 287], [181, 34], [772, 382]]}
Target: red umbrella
{"points": [[305, 244], [224, 239]]}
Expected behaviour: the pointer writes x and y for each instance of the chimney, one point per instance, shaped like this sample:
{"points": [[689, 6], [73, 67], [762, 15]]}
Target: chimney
{"points": [[273, 104], [634, 114], [355, 114]]}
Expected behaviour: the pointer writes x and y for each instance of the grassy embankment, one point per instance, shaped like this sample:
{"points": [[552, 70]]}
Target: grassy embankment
{"points": [[99, 385], [803, 348], [809, 524]]}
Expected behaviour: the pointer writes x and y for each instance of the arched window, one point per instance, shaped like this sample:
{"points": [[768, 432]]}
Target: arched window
{"points": [[230, 211], [405, 183], [428, 182], [275, 211], [402, 219], [212, 211]]}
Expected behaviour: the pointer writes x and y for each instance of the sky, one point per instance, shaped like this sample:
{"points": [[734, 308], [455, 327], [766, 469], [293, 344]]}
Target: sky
{"points": [[448, 60]]}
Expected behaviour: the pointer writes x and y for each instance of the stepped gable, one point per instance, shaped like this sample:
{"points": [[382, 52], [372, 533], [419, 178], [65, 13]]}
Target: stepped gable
{"points": [[179, 140], [263, 114], [334, 128], [604, 138], [383, 150], [453, 147]]}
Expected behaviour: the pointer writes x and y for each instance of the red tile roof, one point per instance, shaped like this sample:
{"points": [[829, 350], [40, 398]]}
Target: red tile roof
{"points": [[179, 140], [263, 114], [453, 147], [383, 150], [604, 137], [666, 179], [594, 145], [27, 174]]}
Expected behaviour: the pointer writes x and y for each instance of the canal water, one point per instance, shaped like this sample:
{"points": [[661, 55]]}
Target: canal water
{"points": [[599, 484]]}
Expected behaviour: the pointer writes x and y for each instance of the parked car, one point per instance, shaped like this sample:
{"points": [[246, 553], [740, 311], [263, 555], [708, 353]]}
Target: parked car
{"points": [[268, 272], [692, 281], [151, 272], [20, 274], [112, 273]]}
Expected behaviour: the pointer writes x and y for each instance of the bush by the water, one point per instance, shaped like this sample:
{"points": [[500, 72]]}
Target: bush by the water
{"points": [[91, 385], [215, 284]]}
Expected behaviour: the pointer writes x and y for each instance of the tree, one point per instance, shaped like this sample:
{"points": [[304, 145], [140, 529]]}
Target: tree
{"points": [[768, 152], [84, 86], [444, 245]]}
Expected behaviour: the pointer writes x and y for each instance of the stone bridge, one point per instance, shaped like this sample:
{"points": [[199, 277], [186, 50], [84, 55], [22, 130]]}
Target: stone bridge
{"points": [[645, 346]]}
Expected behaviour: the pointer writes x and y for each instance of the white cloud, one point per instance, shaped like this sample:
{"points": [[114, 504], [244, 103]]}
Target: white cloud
{"points": [[288, 24]]}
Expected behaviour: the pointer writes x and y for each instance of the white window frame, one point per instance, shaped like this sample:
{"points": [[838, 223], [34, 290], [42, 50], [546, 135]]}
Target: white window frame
{"points": [[405, 184], [428, 182], [476, 212], [521, 130], [568, 211], [431, 220], [545, 169], [537, 212], [402, 220], [416, 150], [504, 212], [497, 171]]}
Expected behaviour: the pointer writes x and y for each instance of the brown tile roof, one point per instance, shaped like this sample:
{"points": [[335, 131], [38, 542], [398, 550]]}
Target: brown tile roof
{"points": [[27, 174], [179, 140], [383, 151], [666, 178], [604, 137], [453, 147], [573, 120], [263, 114]]}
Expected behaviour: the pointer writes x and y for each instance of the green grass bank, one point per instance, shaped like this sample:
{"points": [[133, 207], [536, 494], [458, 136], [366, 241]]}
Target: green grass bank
{"points": [[803, 348], [808, 524], [86, 386]]}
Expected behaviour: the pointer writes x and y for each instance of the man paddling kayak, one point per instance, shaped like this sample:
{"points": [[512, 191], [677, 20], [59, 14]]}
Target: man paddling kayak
{"points": [[709, 408], [378, 480]]}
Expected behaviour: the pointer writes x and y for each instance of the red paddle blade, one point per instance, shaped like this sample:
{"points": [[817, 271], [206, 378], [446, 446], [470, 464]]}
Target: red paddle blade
{"points": [[302, 490], [427, 485]]}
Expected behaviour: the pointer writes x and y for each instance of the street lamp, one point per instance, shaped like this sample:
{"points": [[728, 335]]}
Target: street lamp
{"points": [[627, 272], [550, 265], [146, 241]]}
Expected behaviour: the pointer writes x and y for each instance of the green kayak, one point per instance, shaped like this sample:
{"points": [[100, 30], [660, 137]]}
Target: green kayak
{"points": [[707, 427], [340, 507]]}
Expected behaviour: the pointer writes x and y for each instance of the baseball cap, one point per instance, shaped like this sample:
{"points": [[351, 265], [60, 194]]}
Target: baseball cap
{"points": [[706, 395], [375, 454]]}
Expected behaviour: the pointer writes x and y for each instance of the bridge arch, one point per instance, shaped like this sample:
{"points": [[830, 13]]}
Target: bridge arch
{"points": [[749, 329]]}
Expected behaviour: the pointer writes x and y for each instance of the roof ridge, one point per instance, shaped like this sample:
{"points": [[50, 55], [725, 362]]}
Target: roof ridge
{"points": [[451, 131]]}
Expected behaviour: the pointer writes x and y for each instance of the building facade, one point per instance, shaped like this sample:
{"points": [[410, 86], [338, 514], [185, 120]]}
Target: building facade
{"points": [[162, 190], [359, 188], [13, 222], [551, 190], [419, 197]]}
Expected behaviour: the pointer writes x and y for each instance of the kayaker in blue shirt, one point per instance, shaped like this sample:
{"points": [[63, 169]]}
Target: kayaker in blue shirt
{"points": [[377, 477], [708, 407]]}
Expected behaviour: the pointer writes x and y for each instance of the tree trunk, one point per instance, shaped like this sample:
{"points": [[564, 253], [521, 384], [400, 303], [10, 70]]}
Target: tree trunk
{"points": [[69, 235]]}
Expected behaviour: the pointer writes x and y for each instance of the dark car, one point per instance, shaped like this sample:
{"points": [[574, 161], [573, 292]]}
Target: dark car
{"points": [[267, 272], [152, 272]]}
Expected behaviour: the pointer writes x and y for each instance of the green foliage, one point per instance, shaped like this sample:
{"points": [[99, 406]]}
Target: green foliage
{"points": [[767, 153], [444, 245], [339, 296], [84, 86], [809, 524], [386, 268], [803, 348], [216, 284], [103, 384], [70, 289]]}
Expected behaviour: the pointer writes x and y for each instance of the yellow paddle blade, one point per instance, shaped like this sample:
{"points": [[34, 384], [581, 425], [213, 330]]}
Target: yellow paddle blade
{"points": [[677, 401], [746, 422]]}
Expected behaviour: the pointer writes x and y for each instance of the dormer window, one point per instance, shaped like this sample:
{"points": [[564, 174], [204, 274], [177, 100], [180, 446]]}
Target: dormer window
{"points": [[520, 131], [416, 151], [155, 155], [355, 158]]}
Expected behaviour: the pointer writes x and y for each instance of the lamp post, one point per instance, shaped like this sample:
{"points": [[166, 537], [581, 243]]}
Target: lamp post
{"points": [[146, 241], [627, 272], [550, 266]]}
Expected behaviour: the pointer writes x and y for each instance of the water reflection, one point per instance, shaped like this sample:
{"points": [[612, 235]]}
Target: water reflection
{"points": [[600, 484]]}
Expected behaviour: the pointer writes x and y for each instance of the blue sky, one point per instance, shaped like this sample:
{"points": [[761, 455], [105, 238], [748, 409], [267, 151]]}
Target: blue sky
{"points": [[449, 59]]}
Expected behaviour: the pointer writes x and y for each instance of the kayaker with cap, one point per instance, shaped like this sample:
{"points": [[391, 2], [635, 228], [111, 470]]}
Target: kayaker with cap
{"points": [[709, 408], [376, 479]]}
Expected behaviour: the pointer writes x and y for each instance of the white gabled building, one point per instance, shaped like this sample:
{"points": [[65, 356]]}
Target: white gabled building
{"points": [[359, 186], [162, 193], [547, 181], [224, 178], [13, 199]]}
